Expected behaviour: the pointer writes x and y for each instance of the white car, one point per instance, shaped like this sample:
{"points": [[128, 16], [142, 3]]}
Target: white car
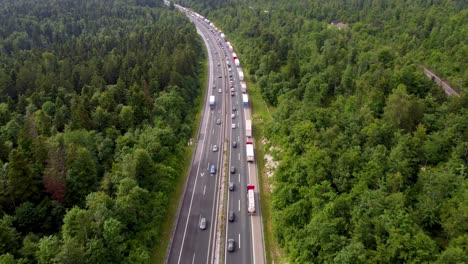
{"points": [[233, 126], [233, 116], [215, 148], [219, 90]]}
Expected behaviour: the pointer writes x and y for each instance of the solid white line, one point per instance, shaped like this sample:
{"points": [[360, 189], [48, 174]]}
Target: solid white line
{"points": [[239, 240], [239, 177], [204, 189]]}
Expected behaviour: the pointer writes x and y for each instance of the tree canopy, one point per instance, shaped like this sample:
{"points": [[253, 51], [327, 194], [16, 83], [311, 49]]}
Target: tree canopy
{"points": [[97, 100], [373, 154]]}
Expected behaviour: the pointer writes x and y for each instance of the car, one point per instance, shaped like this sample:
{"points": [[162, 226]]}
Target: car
{"points": [[219, 64], [233, 126], [234, 144], [218, 121], [231, 186], [230, 245], [213, 169], [233, 116], [230, 69], [230, 74], [215, 148], [203, 223], [232, 93], [234, 108], [219, 90], [219, 76], [214, 86], [233, 169], [231, 216], [232, 89]]}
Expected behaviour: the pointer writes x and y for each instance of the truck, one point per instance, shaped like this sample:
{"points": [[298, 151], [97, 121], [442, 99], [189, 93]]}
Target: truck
{"points": [[243, 87], [251, 199], [234, 56], [245, 100], [241, 74], [212, 101], [237, 62], [249, 149], [248, 128]]}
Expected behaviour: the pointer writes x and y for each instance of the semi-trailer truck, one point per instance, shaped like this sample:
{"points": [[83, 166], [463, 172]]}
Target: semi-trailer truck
{"points": [[248, 128], [251, 199], [243, 87], [245, 100], [241, 74], [249, 149]]}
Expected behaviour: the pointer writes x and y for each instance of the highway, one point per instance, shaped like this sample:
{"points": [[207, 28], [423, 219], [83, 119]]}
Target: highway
{"points": [[189, 243], [204, 192]]}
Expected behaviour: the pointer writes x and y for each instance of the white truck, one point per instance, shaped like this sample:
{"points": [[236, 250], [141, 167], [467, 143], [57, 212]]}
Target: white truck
{"points": [[241, 74], [243, 87], [237, 62], [249, 148], [212, 101], [248, 128], [245, 100], [251, 199]]}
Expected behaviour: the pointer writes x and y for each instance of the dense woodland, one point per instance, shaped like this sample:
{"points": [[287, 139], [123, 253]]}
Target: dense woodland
{"points": [[97, 99], [373, 155]]}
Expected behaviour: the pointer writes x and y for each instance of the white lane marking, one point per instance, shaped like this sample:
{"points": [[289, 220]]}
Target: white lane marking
{"points": [[239, 240], [204, 190], [212, 131], [239, 205], [208, 167], [239, 177], [238, 156], [238, 138], [193, 259]]}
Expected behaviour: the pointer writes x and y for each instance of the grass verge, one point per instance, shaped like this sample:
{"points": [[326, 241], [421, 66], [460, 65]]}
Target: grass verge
{"points": [[166, 232]]}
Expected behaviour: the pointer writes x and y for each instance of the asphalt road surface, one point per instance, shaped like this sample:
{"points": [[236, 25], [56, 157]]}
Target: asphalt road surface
{"points": [[190, 244]]}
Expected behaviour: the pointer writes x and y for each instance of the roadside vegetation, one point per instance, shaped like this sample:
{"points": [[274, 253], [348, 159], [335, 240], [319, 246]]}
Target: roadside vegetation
{"points": [[97, 103], [373, 154]]}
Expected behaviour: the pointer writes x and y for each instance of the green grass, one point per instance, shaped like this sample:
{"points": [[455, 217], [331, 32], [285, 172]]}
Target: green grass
{"points": [[166, 232], [261, 116]]}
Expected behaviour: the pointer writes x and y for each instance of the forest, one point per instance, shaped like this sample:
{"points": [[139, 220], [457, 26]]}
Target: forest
{"points": [[97, 102], [372, 154]]}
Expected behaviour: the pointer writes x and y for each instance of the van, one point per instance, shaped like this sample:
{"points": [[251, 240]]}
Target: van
{"points": [[213, 169]]}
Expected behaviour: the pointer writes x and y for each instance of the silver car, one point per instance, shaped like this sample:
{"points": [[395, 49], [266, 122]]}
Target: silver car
{"points": [[203, 223], [215, 148]]}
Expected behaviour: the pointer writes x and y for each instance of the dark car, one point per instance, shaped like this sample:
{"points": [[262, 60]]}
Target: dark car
{"points": [[234, 108], [233, 169], [231, 216], [234, 144], [218, 121], [231, 186]]}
